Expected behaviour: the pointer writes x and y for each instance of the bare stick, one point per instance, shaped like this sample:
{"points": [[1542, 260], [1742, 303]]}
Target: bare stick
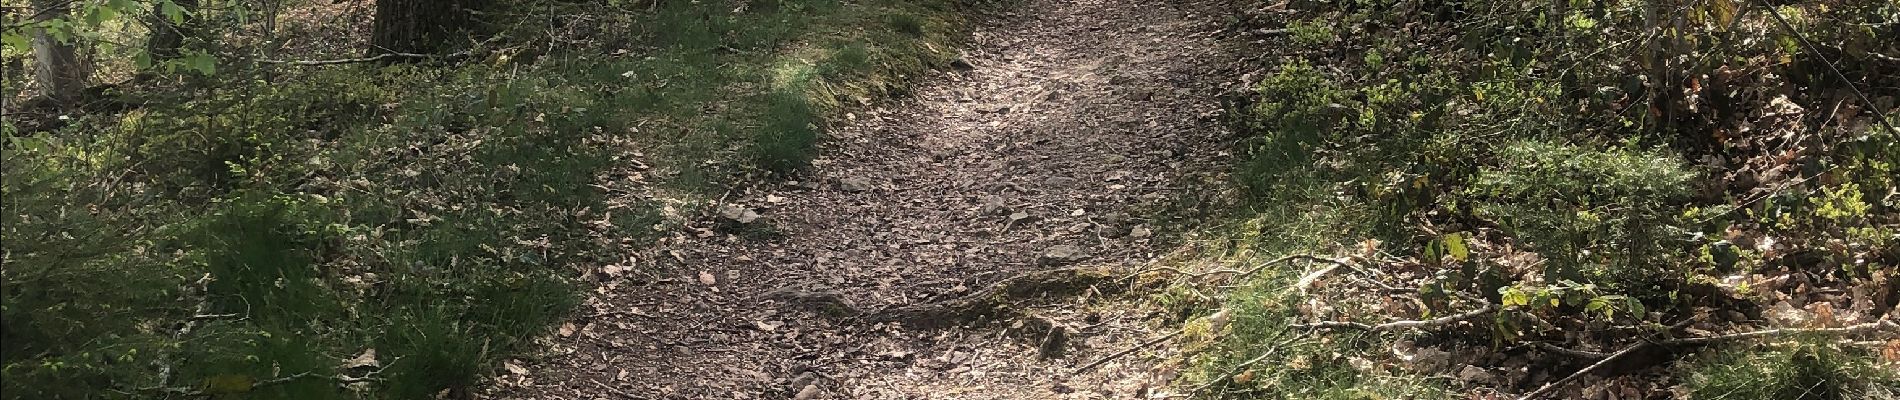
{"points": [[1125, 352], [1547, 388], [1237, 273], [615, 390], [1407, 324], [1879, 116], [1847, 330], [378, 57], [1569, 351]]}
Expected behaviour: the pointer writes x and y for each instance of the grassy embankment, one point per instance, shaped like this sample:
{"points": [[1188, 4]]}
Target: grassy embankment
{"points": [[1602, 174], [283, 231]]}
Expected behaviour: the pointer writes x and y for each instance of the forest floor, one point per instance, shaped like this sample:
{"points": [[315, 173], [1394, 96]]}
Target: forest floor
{"points": [[1070, 125]]}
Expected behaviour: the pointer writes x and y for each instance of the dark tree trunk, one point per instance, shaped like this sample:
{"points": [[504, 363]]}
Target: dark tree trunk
{"points": [[168, 36], [56, 65], [421, 26]]}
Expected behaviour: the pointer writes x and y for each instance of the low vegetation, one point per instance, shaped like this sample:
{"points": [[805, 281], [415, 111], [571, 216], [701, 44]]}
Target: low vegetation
{"points": [[1613, 199], [231, 225]]}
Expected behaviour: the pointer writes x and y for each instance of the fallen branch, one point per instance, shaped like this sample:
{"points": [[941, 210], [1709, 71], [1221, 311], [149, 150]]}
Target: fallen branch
{"points": [[1407, 324], [1569, 351], [1768, 333], [1237, 273], [994, 301], [1125, 352], [615, 390], [1547, 388], [376, 58]]}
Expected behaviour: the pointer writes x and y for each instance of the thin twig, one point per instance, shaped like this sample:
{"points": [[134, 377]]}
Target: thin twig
{"points": [[1406, 324], [1879, 116], [1846, 330], [1125, 352], [1244, 364], [615, 390], [1570, 352], [378, 57], [1236, 272], [1547, 388]]}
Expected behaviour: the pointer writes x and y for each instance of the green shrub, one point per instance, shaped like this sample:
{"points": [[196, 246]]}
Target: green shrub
{"points": [[1597, 215]]}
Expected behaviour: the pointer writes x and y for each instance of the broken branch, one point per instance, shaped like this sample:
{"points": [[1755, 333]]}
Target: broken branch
{"points": [[1407, 324], [1125, 352], [378, 57], [1547, 388]]}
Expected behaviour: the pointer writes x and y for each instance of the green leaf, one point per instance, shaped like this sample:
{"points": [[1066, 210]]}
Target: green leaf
{"points": [[1514, 297], [1455, 246], [15, 42], [200, 62], [171, 11]]}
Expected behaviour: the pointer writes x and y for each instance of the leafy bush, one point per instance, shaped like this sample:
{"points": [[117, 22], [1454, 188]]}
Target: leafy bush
{"points": [[1597, 215]]}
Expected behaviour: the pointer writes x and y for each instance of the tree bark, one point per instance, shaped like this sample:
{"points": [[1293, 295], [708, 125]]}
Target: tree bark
{"points": [[168, 37], [56, 66], [420, 26]]}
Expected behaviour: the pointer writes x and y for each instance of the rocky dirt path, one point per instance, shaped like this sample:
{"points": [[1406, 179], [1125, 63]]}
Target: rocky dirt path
{"points": [[1077, 118]]}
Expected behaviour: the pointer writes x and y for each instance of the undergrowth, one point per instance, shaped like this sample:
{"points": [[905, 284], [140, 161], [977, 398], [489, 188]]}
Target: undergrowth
{"points": [[394, 231], [1527, 158]]}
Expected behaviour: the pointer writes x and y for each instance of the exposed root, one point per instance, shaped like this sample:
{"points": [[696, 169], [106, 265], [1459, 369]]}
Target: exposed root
{"points": [[995, 301]]}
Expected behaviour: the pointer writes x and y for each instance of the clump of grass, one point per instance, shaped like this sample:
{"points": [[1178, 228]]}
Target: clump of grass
{"points": [[1809, 369], [907, 24], [1604, 213], [431, 213]]}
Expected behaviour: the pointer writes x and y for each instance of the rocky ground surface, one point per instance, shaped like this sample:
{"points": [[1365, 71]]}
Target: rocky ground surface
{"points": [[1069, 124]]}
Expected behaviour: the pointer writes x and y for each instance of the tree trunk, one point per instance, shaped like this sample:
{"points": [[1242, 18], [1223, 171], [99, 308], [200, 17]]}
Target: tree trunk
{"points": [[56, 65], [420, 26], [168, 36]]}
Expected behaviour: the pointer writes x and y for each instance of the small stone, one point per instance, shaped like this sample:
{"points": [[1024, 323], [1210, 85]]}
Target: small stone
{"points": [[854, 184], [992, 205], [1061, 254], [1475, 375], [1018, 216], [1140, 231], [809, 392], [738, 214], [804, 380], [962, 64]]}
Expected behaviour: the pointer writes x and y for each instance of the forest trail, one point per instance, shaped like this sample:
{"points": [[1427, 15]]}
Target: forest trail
{"points": [[1075, 121]]}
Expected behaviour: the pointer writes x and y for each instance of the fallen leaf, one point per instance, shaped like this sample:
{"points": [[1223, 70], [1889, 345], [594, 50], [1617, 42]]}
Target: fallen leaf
{"points": [[707, 278], [567, 329], [768, 326], [366, 359], [514, 368]]}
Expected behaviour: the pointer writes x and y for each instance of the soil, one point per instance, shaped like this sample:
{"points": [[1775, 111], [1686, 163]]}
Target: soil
{"points": [[1070, 125]]}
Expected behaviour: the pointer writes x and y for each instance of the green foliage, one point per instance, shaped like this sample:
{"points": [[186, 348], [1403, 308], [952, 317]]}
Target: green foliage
{"points": [[431, 213], [1603, 215], [1579, 165]]}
